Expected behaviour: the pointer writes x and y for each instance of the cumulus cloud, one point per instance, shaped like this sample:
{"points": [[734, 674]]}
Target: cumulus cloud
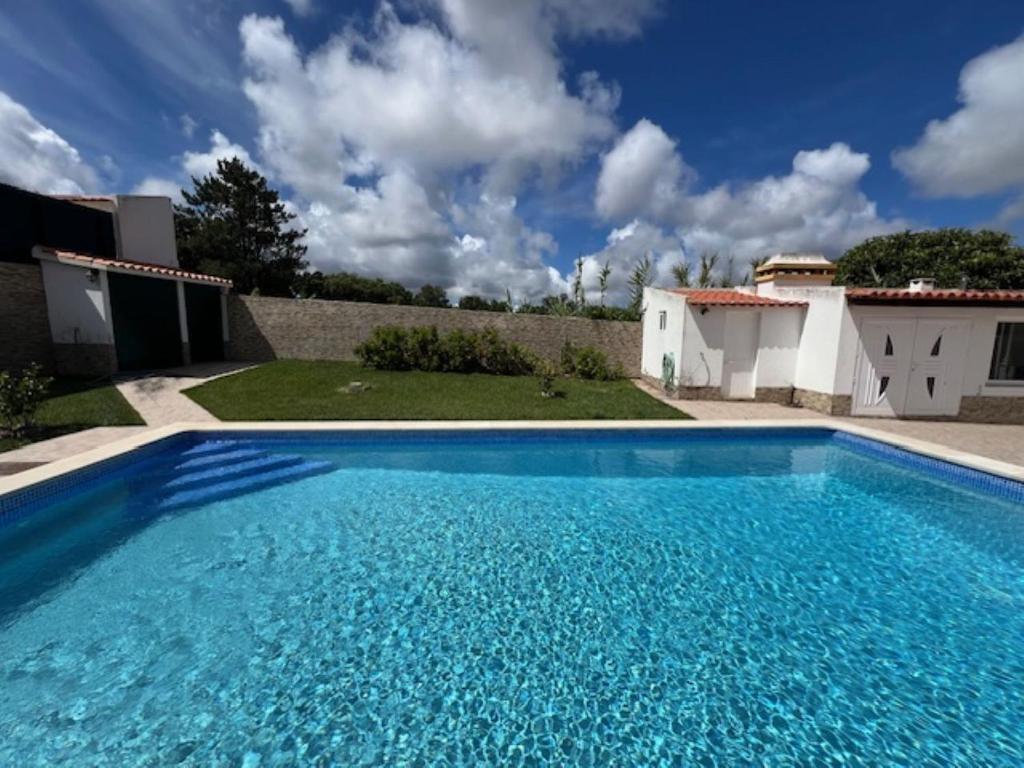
{"points": [[35, 157], [818, 205], [407, 143], [200, 164], [153, 185], [979, 149]]}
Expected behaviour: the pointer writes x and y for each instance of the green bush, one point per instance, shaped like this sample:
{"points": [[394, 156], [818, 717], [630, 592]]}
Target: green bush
{"points": [[589, 363], [385, 349], [20, 397], [424, 349]]}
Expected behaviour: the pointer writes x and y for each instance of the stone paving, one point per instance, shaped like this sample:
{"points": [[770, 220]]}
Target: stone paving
{"points": [[1004, 442], [158, 396]]}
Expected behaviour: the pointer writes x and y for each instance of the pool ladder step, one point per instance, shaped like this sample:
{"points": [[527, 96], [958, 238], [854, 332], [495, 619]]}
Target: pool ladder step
{"points": [[218, 470]]}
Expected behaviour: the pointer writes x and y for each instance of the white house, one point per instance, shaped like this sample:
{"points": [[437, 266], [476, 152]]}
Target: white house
{"points": [[91, 285], [794, 338]]}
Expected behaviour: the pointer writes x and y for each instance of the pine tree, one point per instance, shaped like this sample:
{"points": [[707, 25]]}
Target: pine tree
{"points": [[234, 225]]}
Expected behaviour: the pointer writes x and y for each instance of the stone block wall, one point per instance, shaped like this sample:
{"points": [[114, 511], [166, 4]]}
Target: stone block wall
{"points": [[262, 328], [24, 323]]}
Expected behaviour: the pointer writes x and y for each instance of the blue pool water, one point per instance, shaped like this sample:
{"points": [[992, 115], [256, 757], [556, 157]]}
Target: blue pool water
{"points": [[623, 599]]}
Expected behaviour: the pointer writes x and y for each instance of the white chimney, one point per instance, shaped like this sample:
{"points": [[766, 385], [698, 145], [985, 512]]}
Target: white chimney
{"points": [[921, 284]]}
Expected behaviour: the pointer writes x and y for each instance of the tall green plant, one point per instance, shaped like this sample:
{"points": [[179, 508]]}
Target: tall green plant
{"points": [[641, 277], [21, 394]]}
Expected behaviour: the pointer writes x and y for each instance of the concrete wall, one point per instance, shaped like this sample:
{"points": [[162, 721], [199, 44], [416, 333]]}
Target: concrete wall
{"points": [[78, 310], [145, 227], [778, 348], [24, 324], [703, 348], [658, 342], [263, 328]]}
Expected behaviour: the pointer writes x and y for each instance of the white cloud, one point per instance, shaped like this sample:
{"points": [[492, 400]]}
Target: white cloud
{"points": [[200, 164], [818, 205], [300, 7], [643, 173], [153, 185], [35, 157], [979, 149], [188, 125], [379, 132]]}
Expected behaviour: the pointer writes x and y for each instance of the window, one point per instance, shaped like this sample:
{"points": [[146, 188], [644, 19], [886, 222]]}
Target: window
{"points": [[662, 320], [1008, 353]]}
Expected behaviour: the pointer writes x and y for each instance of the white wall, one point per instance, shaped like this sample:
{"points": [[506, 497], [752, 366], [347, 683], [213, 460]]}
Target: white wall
{"points": [[657, 342], [703, 347], [819, 353], [145, 227], [779, 346], [982, 334], [79, 313]]}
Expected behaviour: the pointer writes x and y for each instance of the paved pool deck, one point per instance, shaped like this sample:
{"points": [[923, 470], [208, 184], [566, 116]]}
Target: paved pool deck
{"points": [[1003, 442]]}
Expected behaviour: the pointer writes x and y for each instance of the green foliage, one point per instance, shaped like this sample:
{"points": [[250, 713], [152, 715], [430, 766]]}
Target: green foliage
{"points": [[641, 277], [708, 261], [592, 312], [681, 274], [431, 296], [233, 225], [20, 398], [588, 363], [424, 349], [546, 375], [345, 286], [602, 280], [579, 294], [481, 304], [956, 258]]}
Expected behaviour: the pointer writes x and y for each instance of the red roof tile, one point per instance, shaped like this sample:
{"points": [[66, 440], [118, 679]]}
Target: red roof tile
{"points": [[729, 297], [122, 265], [934, 296]]}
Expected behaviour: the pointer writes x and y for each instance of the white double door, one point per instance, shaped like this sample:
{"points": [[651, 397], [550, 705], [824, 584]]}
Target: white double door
{"points": [[910, 367]]}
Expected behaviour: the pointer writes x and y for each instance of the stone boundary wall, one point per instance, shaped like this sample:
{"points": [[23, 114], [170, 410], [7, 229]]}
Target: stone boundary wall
{"points": [[262, 328], [24, 322]]}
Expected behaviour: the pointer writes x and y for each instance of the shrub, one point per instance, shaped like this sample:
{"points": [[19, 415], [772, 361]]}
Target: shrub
{"points": [[385, 349], [589, 363], [423, 349], [20, 397]]}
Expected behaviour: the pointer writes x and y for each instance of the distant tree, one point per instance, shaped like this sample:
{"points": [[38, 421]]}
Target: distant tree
{"points": [[706, 276], [234, 225], [431, 296], [483, 305], [345, 286], [602, 280], [681, 274], [726, 280], [954, 257], [641, 277], [579, 294]]}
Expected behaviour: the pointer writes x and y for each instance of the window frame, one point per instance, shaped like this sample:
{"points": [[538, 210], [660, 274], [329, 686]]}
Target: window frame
{"points": [[990, 379], [662, 319]]}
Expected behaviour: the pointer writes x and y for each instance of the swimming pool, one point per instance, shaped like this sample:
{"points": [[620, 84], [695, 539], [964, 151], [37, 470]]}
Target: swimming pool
{"points": [[586, 598]]}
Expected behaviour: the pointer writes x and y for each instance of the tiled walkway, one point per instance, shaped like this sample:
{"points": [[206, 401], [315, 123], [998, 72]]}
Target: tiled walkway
{"points": [[158, 398], [1004, 442]]}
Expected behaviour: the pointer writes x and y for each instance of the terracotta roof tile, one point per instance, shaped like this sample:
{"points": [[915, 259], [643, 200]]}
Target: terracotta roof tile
{"points": [[729, 297], [123, 265], [934, 296]]}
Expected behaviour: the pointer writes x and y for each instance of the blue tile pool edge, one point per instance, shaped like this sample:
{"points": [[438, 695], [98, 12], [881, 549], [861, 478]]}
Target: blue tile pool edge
{"points": [[50, 490], [941, 469]]}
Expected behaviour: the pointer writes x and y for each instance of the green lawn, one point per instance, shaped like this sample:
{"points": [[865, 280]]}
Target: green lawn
{"points": [[74, 405], [300, 390]]}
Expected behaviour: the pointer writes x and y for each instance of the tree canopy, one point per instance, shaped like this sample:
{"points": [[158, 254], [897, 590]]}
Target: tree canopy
{"points": [[345, 286], [956, 258], [234, 225]]}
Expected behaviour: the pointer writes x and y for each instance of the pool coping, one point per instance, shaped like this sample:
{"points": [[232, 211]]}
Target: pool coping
{"points": [[54, 469]]}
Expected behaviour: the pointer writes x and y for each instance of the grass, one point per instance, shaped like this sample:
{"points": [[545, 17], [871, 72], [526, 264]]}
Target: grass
{"points": [[309, 390], [73, 405]]}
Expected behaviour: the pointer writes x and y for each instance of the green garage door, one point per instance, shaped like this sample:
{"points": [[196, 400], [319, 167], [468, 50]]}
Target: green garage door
{"points": [[145, 314], [205, 339]]}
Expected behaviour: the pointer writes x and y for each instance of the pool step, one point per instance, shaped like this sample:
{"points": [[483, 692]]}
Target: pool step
{"points": [[232, 470], [210, 458], [239, 485], [211, 446]]}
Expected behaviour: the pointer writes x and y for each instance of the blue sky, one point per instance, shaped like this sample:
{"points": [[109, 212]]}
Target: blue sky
{"points": [[485, 145]]}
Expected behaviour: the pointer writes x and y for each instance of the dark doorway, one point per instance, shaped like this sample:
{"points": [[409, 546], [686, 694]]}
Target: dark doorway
{"points": [[205, 333], [146, 330]]}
